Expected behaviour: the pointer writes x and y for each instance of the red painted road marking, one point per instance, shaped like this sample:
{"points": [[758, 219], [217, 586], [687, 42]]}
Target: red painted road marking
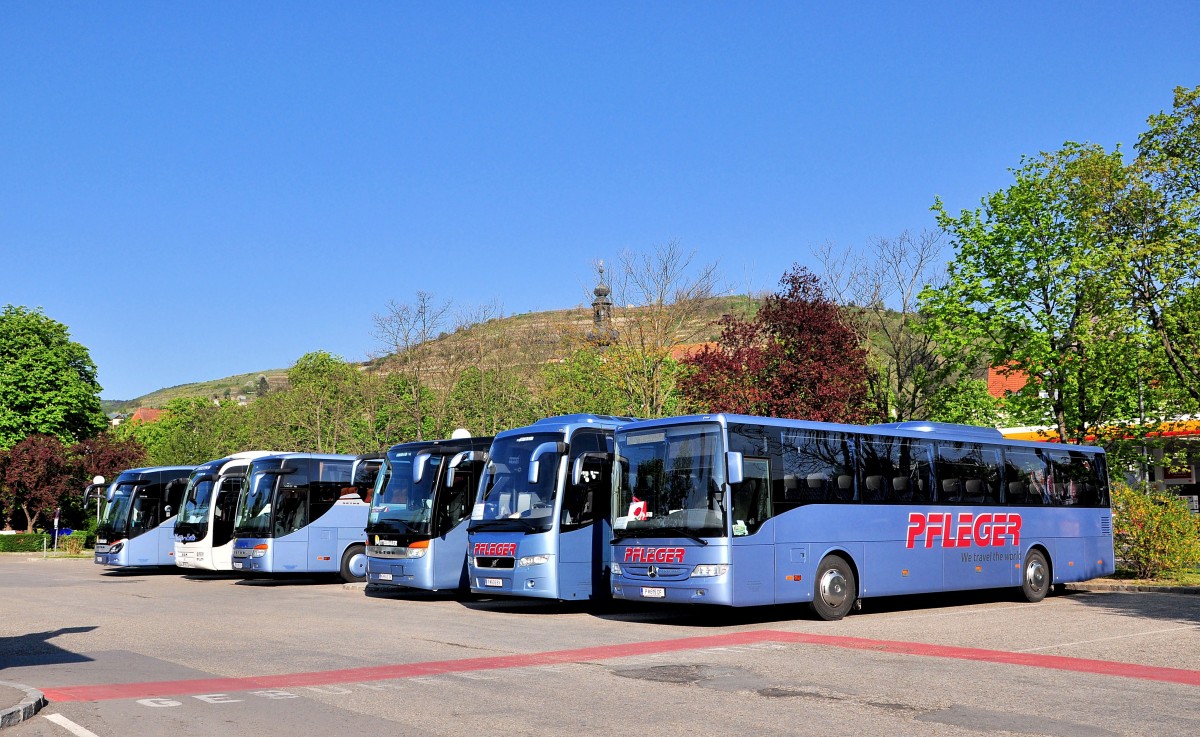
{"points": [[609, 652]]}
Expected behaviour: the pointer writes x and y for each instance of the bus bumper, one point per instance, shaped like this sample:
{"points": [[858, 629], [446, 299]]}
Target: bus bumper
{"points": [[714, 590]]}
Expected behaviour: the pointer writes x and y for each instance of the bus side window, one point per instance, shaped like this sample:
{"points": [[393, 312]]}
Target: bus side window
{"points": [[751, 498]]}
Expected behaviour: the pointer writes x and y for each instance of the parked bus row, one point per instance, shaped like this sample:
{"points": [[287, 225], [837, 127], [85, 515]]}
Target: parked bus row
{"points": [[709, 509]]}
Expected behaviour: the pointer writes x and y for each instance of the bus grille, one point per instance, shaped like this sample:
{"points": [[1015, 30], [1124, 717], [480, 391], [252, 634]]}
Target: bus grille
{"points": [[1106, 524], [491, 562]]}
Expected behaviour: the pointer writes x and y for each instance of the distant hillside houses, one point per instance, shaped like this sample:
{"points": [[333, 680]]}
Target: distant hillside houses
{"points": [[141, 414]]}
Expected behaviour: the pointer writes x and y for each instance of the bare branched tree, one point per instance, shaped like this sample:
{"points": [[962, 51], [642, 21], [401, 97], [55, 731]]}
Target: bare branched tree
{"points": [[880, 287], [660, 297], [409, 329]]}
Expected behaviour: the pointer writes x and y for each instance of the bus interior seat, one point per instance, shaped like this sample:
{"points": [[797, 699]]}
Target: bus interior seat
{"points": [[874, 489], [1017, 492], [816, 487], [791, 487], [974, 492], [524, 502], [845, 486], [951, 490], [901, 489]]}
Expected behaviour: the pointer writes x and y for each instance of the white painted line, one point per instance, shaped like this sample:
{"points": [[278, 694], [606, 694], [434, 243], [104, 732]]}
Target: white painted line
{"points": [[70, 726], [1105, 639]]}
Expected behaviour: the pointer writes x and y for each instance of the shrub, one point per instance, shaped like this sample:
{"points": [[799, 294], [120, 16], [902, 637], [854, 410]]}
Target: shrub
{"points": [[23, 542], [1154, 532]]}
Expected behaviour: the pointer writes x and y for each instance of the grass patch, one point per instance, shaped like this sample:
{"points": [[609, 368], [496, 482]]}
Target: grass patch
{"points": [[1179, 578]]}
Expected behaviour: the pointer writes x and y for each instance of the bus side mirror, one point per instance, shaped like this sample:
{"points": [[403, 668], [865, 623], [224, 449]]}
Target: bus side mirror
{"points": [[734, 472], [419, 464], [577, 468], [538, 452], [467, 456], [167, 512]]}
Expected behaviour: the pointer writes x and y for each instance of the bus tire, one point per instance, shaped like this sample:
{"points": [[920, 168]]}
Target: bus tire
{"points": [[835, 589], [1035, 577], [354, 564]]}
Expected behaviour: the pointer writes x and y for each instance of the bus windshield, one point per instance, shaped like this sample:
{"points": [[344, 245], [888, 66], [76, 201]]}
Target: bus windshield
{"points": [[115, 519], [400, 505], [254, 506], [509, 501], [668, 482], [197, 499]]}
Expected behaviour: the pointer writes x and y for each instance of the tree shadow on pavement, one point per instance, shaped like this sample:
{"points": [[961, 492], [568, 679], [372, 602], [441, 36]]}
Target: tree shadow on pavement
{"points": [[1184, 608], [35, 648]]}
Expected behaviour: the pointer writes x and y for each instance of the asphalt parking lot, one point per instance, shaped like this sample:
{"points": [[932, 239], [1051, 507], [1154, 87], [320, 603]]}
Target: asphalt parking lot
{"points": [[163, 653]]}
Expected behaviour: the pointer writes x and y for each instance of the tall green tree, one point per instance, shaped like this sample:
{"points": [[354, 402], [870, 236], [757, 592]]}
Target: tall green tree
{"points": [[1026, 289], [47, 381], [325, 401]]}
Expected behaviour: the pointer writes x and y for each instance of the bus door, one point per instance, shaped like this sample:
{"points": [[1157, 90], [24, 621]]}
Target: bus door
{"points": [[171, 496], [752, 548], [752, 553], [454, 496], [324, 546], [583, 544], [290, 518]]}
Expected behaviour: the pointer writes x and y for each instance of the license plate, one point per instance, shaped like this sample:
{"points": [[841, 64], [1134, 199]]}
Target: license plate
{"points": [[237, 565], [496, 582], [385, 577], [99, 559], [653, 593]]}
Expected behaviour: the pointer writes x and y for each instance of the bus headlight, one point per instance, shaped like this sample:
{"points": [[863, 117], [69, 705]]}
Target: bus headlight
{"points": [[117, 547], [533, 560], [414, 552], [260, 550], [616, 568], [706, 570]]}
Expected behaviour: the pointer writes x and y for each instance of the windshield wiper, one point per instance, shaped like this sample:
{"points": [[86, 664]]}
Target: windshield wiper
{"points": [[492, 524]]}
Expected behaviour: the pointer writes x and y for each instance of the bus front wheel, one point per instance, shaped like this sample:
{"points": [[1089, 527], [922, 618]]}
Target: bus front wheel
{"points": [[1035, 577], [354, 564], [835, 589]]}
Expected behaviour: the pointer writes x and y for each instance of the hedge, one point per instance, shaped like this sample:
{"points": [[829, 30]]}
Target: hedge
{"points": [[1154, 532], [24, 542]]}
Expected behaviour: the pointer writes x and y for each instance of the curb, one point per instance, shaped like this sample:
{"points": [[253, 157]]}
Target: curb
{"points": [[354, 586], [32, 703], [1141, 589]]}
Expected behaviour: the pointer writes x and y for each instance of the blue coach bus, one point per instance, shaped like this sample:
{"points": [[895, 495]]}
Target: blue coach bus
{"points": [[417, 531], [137, 526], [739, 511], [304, 513], [540, 525]]}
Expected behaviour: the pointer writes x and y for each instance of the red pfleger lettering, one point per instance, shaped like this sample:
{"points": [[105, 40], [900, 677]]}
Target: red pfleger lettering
{"points": [[496, 549], [653, 555], [964, 529]]}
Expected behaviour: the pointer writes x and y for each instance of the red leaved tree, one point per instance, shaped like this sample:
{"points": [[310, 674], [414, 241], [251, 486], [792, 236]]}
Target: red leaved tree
{"points": [[105, 455], [39, 475], [798, 357]]}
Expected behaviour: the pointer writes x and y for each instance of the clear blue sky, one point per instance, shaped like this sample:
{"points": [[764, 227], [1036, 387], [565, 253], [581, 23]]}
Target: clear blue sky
{"points": [[204, 189]]}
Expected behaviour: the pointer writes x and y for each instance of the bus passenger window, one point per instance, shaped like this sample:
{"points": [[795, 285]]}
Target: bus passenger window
{"points": [[751, 498]]}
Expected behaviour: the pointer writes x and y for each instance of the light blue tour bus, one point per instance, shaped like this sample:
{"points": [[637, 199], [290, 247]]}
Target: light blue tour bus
{"points": [[740, 511], [417, 529], [540, 525], [137, 526], [304, 513]]}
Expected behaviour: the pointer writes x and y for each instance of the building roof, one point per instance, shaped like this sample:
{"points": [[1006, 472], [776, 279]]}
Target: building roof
{"points": [[146, 414], [1003, 381]]}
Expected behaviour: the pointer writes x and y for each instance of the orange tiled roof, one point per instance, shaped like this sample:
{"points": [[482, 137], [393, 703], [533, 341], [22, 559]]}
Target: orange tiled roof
{"points": [[146, 414], [1002, 381]]}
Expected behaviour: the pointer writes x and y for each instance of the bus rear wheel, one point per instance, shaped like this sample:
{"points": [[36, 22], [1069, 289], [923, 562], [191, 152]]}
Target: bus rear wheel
{"points": [[835, 589], [354, 564], [1035, 577]]}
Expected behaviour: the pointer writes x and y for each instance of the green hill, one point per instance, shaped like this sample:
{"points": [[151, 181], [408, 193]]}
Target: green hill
{"points": [[527, 338]]}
